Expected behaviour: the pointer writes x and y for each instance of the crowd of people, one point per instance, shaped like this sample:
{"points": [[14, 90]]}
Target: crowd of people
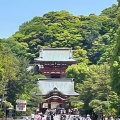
{"points": [[51, 116], [61, 114], [73, 117]]}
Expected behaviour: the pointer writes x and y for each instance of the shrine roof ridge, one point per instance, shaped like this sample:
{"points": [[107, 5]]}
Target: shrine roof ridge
{"points": [[55, 54], [65, 85], [55, 79], [56, 49]]}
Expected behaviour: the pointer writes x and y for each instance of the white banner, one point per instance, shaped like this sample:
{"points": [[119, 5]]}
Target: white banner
{"points": [[20, 105]]}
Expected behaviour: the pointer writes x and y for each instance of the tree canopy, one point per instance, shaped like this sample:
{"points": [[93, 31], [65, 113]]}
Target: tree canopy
{"points": [[96, 47], [93, 34]]}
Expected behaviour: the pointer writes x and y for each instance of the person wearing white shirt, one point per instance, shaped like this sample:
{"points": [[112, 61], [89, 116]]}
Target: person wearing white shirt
{"points": [[32, 116]]}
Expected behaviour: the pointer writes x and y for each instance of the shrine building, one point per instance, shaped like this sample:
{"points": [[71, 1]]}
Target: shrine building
{"points": [[55, 88], [52, 62]]}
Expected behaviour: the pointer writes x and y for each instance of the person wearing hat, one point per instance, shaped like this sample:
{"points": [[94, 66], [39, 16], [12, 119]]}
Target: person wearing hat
{"points": [[88, 117]]}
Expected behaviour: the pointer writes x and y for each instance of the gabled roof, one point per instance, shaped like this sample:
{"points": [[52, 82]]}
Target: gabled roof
{"points": [[55, 54], [55, 97], [65, 86]]}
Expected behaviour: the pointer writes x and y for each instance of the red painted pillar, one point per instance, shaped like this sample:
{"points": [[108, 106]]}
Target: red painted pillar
{"points": [[40, 105], [60, 105]]}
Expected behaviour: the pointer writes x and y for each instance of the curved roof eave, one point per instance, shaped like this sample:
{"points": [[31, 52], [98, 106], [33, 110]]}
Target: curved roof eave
{"points": [[54, 97], [71, 60]]}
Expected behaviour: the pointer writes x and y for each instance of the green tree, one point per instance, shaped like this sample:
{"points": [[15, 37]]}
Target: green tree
{"points": [[96, 85], [16, 47], [78, 72], [8, 67], [93, 34], [115, 66], [80, 55], [25, 86], [76, 103]]}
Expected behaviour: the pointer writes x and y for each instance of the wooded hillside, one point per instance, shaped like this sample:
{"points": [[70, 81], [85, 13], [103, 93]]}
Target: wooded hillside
{"points": [[93, 35], [95, 43]]}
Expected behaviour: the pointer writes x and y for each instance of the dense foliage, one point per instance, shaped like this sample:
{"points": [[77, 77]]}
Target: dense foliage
{"points": [[16, 82], [115, 66], [95, 43], [92, 35]]}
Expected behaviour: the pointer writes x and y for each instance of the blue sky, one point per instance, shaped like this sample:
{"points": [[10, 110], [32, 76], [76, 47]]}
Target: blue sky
{"points": [[15, 12]]}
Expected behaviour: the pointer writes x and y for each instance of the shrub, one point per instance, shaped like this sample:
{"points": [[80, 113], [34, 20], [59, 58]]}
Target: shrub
{"points": [[2, 114]]}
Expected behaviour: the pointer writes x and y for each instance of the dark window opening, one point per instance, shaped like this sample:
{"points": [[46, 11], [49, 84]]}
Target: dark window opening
{"points": [[55, 75]]}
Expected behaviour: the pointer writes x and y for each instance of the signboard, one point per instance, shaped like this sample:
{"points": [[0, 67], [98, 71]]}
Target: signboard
{"points": [[20, 105], [45, 105]]}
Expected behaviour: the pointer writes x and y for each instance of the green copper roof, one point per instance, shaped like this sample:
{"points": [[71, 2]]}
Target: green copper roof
{"points": [[55, 54], [65, 86]]}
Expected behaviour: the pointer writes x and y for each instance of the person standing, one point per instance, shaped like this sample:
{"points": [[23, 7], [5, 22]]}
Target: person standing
{"points": [[39, 117], [111, 118], [69, 111], [80, 117], [26, 118], [88, 117], [52, 117], [32, 116]]}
